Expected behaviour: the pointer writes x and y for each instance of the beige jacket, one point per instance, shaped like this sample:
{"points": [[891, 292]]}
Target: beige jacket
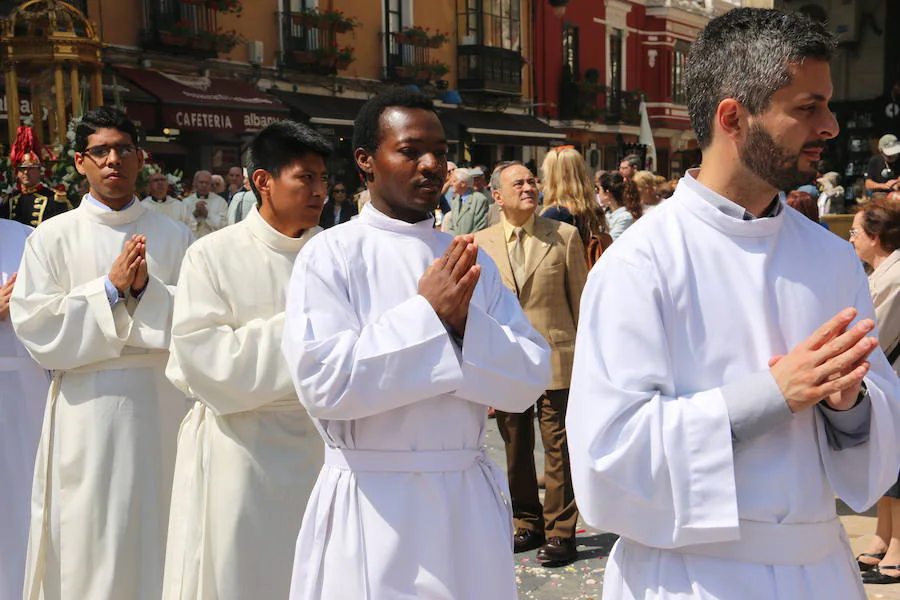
{"points": [[884, 285]]}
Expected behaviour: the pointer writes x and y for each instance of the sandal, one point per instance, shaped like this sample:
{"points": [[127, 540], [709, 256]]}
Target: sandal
{"points": [[863, 567], [876, 576]]}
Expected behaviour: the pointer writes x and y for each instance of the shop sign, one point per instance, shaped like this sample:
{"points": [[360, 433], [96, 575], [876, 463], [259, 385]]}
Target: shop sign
{"points": [[189, 118]]}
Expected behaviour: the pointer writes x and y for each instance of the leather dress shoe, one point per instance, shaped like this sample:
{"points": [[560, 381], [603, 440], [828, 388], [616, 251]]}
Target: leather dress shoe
{"points": [[558, 550], [526, 539]]}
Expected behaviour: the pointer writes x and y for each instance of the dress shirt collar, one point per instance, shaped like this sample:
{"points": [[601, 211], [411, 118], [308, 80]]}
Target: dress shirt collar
{"points": [[90, 198], [509, 229], [723, 204]]}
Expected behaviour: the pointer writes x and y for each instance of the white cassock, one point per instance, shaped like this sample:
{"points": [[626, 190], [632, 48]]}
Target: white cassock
{"points": [[104, 468], [216, 214], [248, 452], [686, 304], [407, 505], [172, 208], [23, 393]]}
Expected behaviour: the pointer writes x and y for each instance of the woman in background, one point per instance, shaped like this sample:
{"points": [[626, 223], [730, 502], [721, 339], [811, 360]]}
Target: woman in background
{"points": [[620, 195], [876, 237]]}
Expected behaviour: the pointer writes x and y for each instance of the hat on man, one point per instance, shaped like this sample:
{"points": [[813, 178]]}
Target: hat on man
{"points": [[27, 149], [888, 145]]}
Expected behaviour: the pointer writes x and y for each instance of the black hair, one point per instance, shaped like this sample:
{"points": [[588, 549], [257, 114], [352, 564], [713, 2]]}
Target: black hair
{"points": [[366, 128], [279, 144], [747, 54], [103, 117]]}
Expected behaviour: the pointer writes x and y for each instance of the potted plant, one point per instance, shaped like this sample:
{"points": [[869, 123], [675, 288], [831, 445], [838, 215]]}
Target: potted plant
{"points": [[439, 69], [306, 18], [416, 36], [227, 40], [177, 34], [233, 7], [438, 39], [337, 20], [344, 57]]}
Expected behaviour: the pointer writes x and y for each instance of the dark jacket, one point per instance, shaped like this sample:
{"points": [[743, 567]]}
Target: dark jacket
{"points": [[348, 210]]}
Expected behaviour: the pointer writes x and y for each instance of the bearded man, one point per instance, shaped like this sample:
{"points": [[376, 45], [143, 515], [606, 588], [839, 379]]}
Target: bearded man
{"points": [[727, 382]]}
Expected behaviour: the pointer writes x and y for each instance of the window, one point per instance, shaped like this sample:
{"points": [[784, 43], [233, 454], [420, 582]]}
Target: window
{"points": [[570, 52], [299, 36], [680, 60], [495, 23], [616, 42]]}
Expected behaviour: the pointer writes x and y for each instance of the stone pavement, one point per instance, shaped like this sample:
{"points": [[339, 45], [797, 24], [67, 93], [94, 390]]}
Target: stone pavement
{"points": [[583, 579]]}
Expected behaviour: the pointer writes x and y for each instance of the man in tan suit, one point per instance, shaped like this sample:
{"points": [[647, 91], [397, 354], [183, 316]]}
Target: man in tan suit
{"points": [[542, 261]]}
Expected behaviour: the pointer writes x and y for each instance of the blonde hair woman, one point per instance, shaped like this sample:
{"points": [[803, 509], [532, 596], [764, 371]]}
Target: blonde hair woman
{"points": [[569, 193], [646, 187]]}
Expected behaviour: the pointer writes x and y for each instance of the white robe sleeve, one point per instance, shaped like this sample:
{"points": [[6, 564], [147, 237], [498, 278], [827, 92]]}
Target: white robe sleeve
{"points": [[230, 368], [343, 369], [505, 361], [861, 474], [65, 329], [648, 465]]}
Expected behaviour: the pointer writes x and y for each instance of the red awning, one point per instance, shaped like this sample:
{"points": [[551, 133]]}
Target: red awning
{"points": [[193, 103]]}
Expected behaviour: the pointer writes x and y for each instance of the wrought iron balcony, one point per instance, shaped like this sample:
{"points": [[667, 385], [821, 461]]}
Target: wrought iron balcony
{"points": [[489, 70], [410, 61], [182, 27], [306, 44]]}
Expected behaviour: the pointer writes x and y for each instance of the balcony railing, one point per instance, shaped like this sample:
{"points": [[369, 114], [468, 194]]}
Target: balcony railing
{"points": [[593, 102], [180, 26], [305, 44], [489, 70], [409, 62]]}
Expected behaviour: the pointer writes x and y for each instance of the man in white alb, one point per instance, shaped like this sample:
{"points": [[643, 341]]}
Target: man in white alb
{"points": [[398, 342], [23, 393], [208, 210], [248, 453], [727, 384], [159, 200], [93, 303]]}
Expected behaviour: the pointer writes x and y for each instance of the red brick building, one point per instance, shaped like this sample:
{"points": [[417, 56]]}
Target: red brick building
{"points": [[594, 60]]}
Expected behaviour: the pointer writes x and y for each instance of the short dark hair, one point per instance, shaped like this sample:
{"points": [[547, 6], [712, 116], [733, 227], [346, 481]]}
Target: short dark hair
{"points": [[366, 128], [747, 54], [103, 117], [281, 143]]}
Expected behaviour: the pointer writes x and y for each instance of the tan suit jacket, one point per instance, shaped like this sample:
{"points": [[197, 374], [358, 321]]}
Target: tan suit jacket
{"points": [[555, 275]]}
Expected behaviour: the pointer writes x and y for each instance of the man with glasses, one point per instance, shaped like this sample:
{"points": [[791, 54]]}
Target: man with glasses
{"points": [[338, 208], [93, 303], [160, 201], [33, 201]]}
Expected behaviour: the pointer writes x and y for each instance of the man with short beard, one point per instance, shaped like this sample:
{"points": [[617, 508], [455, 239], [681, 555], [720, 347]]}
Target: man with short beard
{"points": [[727, 383]]}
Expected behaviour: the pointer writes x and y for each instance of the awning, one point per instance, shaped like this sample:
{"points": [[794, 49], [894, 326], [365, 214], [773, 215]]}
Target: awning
{"points": [[138, 105], [331, 115], [487, 127], [208, 103]]}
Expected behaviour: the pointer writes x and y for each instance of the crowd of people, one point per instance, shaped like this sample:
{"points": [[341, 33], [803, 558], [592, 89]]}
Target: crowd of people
{"points": [[275, 388]]}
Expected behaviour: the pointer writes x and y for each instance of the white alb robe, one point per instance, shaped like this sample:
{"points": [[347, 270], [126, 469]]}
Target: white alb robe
{"points": [[104, 468], [216, 214], [172, 208], [248, 453], [23, 394], [690, 300], [407, 504]]}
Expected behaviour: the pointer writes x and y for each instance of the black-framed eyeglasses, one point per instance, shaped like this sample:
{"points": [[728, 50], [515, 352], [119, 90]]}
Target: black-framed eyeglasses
{"points": [[102, 151], [338, 191]]}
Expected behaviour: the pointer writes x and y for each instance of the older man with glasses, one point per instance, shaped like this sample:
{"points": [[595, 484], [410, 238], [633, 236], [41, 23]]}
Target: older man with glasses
{"points": [[159, 200], [338, 208]]}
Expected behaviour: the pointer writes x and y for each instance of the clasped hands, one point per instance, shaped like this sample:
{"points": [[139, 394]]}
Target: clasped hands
{"points": [[448, 284], [129, 270], [829, 365]]}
